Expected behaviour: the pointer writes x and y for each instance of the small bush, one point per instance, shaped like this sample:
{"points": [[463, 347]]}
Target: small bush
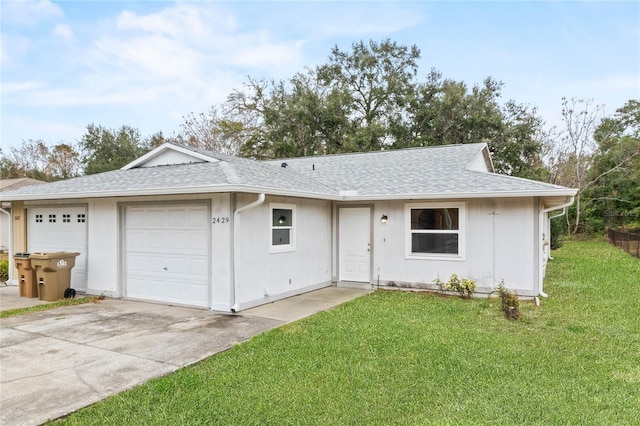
{"points": [[463, 287], [509, 301], [4, 270]]}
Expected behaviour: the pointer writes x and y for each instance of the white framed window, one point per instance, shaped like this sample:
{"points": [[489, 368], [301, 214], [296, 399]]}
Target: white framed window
{"points": [[282, 219], [435, 230]]}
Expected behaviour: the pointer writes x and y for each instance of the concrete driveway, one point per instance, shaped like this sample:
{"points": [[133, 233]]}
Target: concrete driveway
{"points": [[55, 362]]}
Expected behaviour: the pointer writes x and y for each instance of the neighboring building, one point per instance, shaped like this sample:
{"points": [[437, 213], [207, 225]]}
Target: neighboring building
{"points": [[186, 226], [5, 214], [10, 185]]}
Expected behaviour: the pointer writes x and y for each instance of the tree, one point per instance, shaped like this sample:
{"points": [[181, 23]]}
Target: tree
{"points": [[380, 80], [8, 168], [366, 99], [107, 149], [39, 160], [518, 144], [446, 112], [64, 161], [612, 192], [289, 118], [212, 131], [574, 152]]}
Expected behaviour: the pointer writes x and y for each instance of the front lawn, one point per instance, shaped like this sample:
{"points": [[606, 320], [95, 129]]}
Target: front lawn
{"points": [[420, 358], [48, 306]]}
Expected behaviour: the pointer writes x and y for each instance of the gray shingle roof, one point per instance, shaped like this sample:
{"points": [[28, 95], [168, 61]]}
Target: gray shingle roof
{"points": [[11, 184], [410, 173], [416, 171]]}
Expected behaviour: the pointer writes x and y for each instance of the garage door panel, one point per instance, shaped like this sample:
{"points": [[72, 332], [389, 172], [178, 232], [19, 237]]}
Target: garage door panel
{"points": [[135, 220], [134, 240], [167, 253], [60, 228], [188, 242], [177, 216], [155, 218], [144, 263], [196, 266]]}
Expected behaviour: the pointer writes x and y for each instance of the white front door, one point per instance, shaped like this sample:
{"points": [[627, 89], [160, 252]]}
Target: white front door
{"points": [[60, 228], [166, 253], [355, 244]]}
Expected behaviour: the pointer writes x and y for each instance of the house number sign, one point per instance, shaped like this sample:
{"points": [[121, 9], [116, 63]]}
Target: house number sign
{"points": [[220, 220]]}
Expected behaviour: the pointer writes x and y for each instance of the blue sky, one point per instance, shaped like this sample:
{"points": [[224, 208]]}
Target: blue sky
{"points": [[147, 64]]}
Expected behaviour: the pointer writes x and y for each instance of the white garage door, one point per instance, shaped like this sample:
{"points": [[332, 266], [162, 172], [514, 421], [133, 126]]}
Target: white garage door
{"points": [[59, 228], [166, 252]]}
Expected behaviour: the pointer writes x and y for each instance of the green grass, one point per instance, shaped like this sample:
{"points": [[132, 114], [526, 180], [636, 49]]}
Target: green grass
{"points": [[418, 358], [46, 307]]}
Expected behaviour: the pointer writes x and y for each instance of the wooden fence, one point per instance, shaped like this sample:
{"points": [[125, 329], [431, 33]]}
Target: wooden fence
{"points": [[627, 241]]}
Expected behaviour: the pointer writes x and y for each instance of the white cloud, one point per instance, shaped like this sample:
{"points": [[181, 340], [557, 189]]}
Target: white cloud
{"points": [[331, 20], [182, 21], [12, 48], [10, 87], [149, 56], [264, 53], [25, 127], [62, 97], [63, 31], [187, 50], [29, 13], [370, 25]]}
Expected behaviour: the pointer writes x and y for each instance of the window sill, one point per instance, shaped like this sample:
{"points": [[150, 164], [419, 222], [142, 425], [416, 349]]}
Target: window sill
{"points": [[444, 257]]}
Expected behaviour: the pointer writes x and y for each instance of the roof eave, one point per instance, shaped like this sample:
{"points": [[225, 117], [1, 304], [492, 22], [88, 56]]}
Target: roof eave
{"points": [[171, 191], [464, 195], [556, 193]]}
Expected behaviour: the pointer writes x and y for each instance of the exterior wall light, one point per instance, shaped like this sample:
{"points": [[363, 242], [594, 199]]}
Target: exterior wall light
{"points": [[384, 218]]}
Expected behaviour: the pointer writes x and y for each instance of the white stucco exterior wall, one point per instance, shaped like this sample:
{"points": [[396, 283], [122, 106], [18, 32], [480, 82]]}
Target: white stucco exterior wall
{"points": [[103, 257], [221, 252], [500, 243], [265, 276], [504, 249]]}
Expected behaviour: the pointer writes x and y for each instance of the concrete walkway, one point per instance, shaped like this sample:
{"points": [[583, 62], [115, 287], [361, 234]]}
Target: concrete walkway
{"points": [[57, 361], [10, 299]]}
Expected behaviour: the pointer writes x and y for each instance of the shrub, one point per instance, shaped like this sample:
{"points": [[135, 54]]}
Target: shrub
{"points": [[509, 302], [463, 287], [4, 270]]}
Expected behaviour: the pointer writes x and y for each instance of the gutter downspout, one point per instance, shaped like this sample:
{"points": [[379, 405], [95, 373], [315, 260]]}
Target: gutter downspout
{"points": [[562, 213], [236, 250], [544, 212], [10, 231]]}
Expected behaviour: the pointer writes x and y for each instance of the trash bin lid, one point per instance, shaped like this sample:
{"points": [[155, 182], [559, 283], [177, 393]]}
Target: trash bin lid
{"points": [[53, 255]]}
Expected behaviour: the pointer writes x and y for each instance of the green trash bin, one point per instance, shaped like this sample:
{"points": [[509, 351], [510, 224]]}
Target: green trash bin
{"points": [[53, 273], [26, 275]]}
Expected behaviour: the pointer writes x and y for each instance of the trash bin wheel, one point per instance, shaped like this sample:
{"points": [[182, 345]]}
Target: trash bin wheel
{"points": [[69, 293]]}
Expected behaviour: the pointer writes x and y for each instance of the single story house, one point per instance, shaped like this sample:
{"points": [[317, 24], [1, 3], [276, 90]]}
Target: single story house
{"points": [[185, 226]]}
